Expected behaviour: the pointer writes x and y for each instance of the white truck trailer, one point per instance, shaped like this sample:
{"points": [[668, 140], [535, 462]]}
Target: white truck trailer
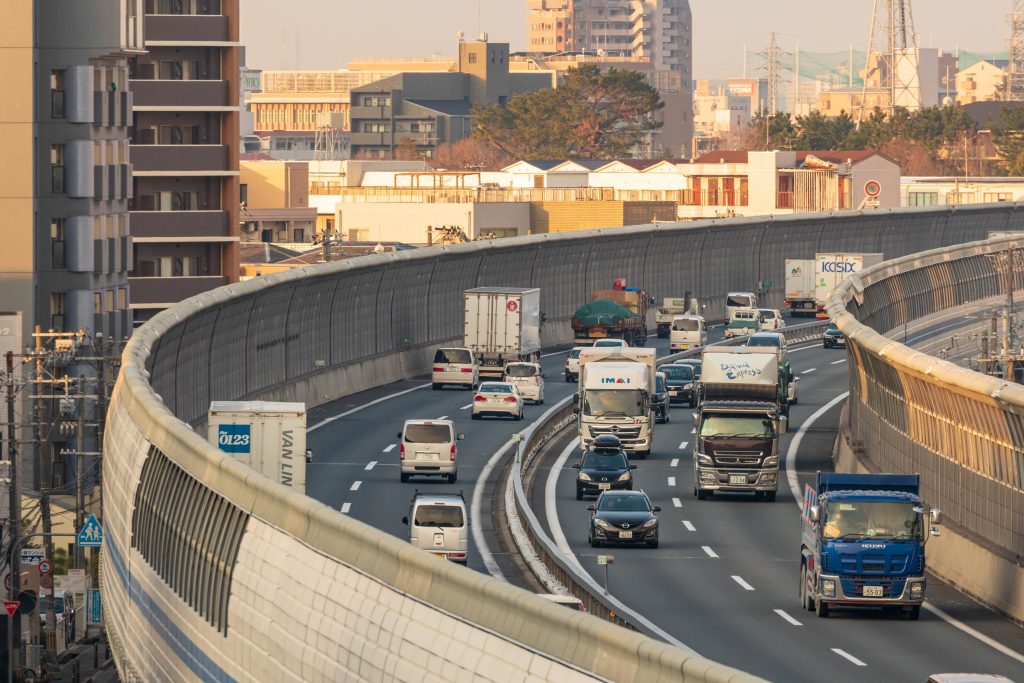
{"points": [[502, 325], [800, 287], [269, 437], [614, 397], [831, 268]]}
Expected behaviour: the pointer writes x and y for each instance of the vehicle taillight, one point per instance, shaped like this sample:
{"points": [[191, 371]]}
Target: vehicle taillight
{"points": [[511, 399], [787, 303], [467, 370], [438, 369], [453, 453], [480, 398], [401, 452]]}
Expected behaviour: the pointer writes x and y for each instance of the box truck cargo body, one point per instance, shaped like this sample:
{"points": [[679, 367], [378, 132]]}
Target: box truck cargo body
{"points": [[831, 268], [269, 437], [502, 325], [800, 286]]}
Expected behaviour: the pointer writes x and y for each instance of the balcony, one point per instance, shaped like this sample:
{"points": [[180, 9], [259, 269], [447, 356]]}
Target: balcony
{"points": [[187, 29], [730, 197], [370, 139], [371, 113], [176, 224], [211, 158], [177, 94], [169, 290]]}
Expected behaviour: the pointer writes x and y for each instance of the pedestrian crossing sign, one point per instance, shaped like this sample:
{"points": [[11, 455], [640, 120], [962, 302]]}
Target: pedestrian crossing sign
{"points": [[91, 535]]}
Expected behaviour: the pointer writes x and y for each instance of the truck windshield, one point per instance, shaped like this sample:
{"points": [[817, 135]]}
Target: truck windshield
{"points": [[856, 520], [686, 325], [747, 426], [613, 403]]}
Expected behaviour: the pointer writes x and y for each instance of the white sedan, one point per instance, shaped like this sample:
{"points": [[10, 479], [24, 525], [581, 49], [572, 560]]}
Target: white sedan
{"points": [[528, 378], [498, 398]]}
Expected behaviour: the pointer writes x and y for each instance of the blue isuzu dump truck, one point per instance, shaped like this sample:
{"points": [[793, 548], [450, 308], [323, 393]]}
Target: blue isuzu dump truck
{"points": [[862, 543]]}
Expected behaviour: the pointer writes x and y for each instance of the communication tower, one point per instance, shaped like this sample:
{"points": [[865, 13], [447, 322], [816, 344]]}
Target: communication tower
{"points": [[893, 58], [1015, 77]]}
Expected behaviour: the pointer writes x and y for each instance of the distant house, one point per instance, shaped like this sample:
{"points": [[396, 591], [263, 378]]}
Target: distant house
{"points": [[981, 82]]}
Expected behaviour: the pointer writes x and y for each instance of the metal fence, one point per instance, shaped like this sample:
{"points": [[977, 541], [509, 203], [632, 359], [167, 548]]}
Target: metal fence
{"points": [[910, 412]]}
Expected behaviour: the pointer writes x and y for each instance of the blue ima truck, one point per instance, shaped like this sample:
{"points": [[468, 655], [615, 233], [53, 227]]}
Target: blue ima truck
{"points": [[862, 543]]}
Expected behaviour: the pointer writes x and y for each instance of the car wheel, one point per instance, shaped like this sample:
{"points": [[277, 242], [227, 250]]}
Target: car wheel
{"points": [[769, 496], [404, 478], [702, 495], [579, 493], [594, 543], [475, 416], [652, 544], [667, 417], [453, 477], [568, 378], [914, 613], [806, 602], [435, 386], [821, 609]]}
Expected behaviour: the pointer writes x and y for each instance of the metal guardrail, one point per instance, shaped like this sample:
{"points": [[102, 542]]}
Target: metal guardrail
{"points": [[909, 412], [564, 570]]}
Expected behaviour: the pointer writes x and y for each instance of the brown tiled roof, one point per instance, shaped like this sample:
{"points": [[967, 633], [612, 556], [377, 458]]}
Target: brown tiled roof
{"points": [[727, 156]]}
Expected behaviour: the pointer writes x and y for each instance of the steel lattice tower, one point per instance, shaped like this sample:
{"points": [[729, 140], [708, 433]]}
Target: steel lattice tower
{"points": [[892, 60], [1015, 76]]}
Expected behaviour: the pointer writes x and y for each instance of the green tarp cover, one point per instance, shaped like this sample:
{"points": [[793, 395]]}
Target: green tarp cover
{"points": [[602, 312]]}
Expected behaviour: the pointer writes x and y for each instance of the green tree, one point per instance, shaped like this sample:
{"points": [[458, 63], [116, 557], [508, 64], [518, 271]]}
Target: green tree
{"points": [[781, 131], [592, 114], [1008, 138], [816, 131]]}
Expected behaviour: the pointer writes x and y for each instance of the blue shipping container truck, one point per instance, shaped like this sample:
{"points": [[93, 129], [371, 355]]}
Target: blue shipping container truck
{"points": [[862, 543]]}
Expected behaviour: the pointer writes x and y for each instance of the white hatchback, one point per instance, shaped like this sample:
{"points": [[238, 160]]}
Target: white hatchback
{"points": [[498, 398], [572, 364], [528, 379]]}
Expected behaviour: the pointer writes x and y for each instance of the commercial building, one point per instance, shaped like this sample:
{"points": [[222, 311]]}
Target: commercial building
{"points": [[275, 202], [185, 147], [940, 191], [66, 176]]}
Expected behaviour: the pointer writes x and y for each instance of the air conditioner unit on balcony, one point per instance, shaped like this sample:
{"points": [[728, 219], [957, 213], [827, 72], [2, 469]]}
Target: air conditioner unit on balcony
{"points": [[250, 226]]}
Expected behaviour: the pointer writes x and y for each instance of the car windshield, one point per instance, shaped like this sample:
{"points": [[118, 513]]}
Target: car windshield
{"points": [[738, 300], [767, 315], [460, 356], [854, 520], [623, 504], [686, 325], [438, 515], [659, 384], [521, 371], [832, 327], [423, 433], [575, 353], [773, 342], [597, 460], [749, 426], [695, 366], [609, 342], [495, 388], [614, 403], [677, 372]]}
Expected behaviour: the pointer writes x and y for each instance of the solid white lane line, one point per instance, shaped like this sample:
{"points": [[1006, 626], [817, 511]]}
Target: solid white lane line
{"points": [[787, 617], [794, 447], [554, 353], [443, 417], [683, 445], [676, 502], [674, 463], [711, 553], [837, 362], [329, 420], [355, 486], [743, 584], [953, 621], [370, 465], [466, 407], [808, 371], [476, 512], [689, 525], [390, 448], [345, 507], [846, 655], [671, 481], [693, 431]]}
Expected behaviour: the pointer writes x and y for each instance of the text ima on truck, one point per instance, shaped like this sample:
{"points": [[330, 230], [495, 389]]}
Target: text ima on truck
{"points": [[502, 325], [738, 422], [862, 543], [614, 397]]}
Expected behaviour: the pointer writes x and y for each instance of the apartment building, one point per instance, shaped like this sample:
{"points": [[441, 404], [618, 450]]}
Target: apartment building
{"points": [[66, 177], [185, 145], [275, 202]]}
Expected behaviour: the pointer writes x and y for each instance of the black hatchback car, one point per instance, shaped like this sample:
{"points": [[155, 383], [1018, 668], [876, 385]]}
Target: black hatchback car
{"points": [[682, 386], [659, 399], [604, 467], [833, 337], [623, 517]]}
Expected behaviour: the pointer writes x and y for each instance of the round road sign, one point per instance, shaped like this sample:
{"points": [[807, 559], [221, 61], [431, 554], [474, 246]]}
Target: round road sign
{"points": [[45, 567], [872, 188]]}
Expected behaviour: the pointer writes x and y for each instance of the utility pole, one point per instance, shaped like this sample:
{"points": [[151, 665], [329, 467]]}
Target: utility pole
{"points": [[80, 471], [14, 523], [51, 617], [327, 245]]}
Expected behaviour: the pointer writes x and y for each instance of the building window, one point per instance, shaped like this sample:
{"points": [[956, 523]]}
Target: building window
{"points": [[57, 169], [471, 58], [57, 243], [997, 197], [97, 303], [376, 100], [243, 194], [57, 311], [108, 301], [57, 93], [122, 298], [922, 199], [376, 127]]}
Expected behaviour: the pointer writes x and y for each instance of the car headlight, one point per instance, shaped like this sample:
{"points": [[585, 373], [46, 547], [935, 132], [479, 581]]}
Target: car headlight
{"points": [[651, 522], [688, 386], [704, 460], [771, 461], [625, 477], [828, 588], [917, 590], [603, 524], [584, 476]]}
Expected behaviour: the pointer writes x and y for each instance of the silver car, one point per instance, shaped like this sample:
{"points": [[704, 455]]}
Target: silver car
{"points": [[497, 399]]}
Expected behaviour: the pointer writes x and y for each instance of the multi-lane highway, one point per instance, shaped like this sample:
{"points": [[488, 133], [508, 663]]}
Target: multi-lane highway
{"points": [[724, 580]]}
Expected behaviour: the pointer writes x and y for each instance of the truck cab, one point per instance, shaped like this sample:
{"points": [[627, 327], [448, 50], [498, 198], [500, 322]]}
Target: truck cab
{"points": [[614, 397], [688, 332], [736, 300], [862, 543]]}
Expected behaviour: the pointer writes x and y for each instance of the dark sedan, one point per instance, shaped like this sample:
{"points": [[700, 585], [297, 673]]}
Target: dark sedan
{"points": [[602, 470], [833, 337], [682, 386], [623, 517]]}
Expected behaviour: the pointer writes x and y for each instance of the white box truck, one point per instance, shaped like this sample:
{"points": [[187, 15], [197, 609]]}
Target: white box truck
{"points": [[614, 397], [831, 268], [800, 287], [502, 325], [269, 437]]}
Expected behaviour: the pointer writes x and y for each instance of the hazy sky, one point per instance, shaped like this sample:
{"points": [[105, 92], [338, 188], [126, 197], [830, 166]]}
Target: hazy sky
{"points": [[325, 34]]}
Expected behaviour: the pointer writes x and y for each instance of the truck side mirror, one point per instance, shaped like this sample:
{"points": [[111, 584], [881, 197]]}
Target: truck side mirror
{"points": [[591, 508], [309, 455], [460, 436], [398, 434], [815, 514], [632, 467], [405, 521], [650, 301], [576, 466], [936, 516], [694, 419]]}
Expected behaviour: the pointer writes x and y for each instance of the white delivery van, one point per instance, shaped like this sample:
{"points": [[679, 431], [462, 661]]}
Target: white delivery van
{"points": [[529, 380], [439, 524], [427, 447], [737, 300], [454, 366], [688, 332], [268, 436]]}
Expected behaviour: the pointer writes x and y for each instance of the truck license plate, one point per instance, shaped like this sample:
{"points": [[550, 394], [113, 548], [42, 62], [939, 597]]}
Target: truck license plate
{"points": [[872, 591], [604, 487], [625, 534], [673, 393], [737, 479]]}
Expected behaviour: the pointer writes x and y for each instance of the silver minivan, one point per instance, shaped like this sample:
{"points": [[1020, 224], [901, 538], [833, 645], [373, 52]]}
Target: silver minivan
{"points": [[427, 447], [454, 366], [439, 523]]}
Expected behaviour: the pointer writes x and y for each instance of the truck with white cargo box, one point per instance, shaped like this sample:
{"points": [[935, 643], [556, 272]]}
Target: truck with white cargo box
{"points": [[502, 325], [800, 287], [614, 397], [739, 421], [831, 268], [672, 307], [269, 437]]}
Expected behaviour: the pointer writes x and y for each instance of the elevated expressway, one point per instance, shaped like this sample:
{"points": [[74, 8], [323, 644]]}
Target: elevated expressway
{"points": [[212, 573]]}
